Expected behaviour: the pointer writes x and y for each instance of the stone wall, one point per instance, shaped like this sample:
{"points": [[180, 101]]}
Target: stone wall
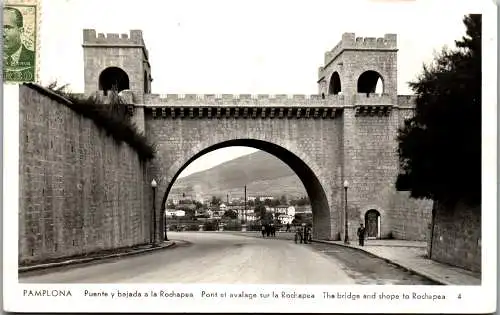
{"points": [[79, 190], [410, 218], [456, 236]]}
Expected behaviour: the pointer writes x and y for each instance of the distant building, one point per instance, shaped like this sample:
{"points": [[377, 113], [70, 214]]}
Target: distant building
{"points": [[234, 199], [175, 213], [173, 200], [279, 209], [250, 217], [261, 198], [285, 218], [303, 209]]}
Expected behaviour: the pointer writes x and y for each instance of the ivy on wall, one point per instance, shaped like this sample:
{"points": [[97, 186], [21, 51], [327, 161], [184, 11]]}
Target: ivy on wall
{"points": [[109, 115]]}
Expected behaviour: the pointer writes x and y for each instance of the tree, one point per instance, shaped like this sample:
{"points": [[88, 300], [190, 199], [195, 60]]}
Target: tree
{"points": [[440, 147], [275, 202], [302, 201], [298, 218], [283, 200], [230, 214], [216, 201], [198, 205], [260, 211], [268, 202]]}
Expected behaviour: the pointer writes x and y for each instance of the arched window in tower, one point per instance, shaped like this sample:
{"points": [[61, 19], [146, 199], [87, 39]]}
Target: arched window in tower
{"points": [[370, 82], [113, 78], [335, 86]]}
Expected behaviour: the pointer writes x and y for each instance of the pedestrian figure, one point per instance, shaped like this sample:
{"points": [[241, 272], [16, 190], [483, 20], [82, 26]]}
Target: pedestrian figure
{"points": [[263, 230], [306, 234], [268, 230], [288, 227], [273, 230], [303, 234], [361, 235], [298, 235]]}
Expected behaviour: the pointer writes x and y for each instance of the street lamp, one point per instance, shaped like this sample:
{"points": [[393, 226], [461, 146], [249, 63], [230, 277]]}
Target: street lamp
{"points": [[154, 185], [346, 235], [165, 225]]}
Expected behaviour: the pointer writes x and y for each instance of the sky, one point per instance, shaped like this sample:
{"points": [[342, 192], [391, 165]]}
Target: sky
{"points": [[245, 46]]}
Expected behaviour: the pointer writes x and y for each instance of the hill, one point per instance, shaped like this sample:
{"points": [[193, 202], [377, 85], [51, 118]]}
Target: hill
{"points": [[263, 173]]}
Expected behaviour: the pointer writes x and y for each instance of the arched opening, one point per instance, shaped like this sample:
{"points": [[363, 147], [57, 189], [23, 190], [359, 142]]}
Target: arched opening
{"points": [[335, 86], [370, 82], [113, 78], [319, 207], [146, 83], [372, 224]]}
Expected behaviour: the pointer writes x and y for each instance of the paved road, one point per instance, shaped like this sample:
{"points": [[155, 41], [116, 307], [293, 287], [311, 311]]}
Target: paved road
{"points": [[228, 258]]}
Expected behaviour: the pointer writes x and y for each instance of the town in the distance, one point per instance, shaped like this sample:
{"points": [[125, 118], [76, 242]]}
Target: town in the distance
{"points": [[188, 213]]}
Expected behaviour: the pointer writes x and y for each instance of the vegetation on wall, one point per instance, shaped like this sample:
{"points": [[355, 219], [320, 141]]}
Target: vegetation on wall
{"points": [[109, 115], [440, 147]]}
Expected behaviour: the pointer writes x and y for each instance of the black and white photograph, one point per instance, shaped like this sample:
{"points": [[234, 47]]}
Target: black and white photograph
{"points": [[283, 156]]}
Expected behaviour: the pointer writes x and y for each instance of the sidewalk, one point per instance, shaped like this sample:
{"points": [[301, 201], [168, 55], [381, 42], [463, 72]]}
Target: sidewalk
{"points": [[410, 255], [97, 256]]}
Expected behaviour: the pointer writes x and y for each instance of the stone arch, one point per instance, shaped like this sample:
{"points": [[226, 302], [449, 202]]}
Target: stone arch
{"points": [[372, 220], [368, 80], [307, 171], [113, 78], [335, 86]]}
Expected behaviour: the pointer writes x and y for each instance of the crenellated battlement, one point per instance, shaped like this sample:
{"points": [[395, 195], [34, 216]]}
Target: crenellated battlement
{"points": [[133, 39], [242, 99], [351, 42]]}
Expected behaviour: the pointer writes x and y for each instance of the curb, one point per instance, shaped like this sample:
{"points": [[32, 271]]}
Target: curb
{"points": [[86, 260], [429, 277]]}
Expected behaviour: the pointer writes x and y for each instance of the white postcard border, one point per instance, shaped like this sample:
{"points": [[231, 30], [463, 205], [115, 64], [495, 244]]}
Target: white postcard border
{"points": [[473, 298]]}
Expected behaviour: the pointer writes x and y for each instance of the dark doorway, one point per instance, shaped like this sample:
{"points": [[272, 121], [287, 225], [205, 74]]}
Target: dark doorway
{"points": [[113, 79], [372, 224]]}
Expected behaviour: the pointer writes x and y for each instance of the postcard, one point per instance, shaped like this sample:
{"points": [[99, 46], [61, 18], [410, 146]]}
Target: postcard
{"points": [[250, 156]]}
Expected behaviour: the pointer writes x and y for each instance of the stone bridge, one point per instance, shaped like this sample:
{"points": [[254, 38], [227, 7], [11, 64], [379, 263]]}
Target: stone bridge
{"points": [[324, 144], [345, 133]]}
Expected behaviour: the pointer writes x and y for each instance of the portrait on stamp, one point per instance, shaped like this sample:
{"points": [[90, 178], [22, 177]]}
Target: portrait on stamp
{"points": [[19, 36]]}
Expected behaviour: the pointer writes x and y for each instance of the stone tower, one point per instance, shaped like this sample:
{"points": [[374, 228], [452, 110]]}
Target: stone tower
{"points": [[118, 61], [355, 66]]}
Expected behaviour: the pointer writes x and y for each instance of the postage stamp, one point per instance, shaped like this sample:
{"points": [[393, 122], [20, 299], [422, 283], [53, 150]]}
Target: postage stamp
{"points": [[21, 41]]}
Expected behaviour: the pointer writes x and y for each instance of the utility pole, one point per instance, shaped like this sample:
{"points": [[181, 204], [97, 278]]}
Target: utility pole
{"points": [[245, 210]]}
